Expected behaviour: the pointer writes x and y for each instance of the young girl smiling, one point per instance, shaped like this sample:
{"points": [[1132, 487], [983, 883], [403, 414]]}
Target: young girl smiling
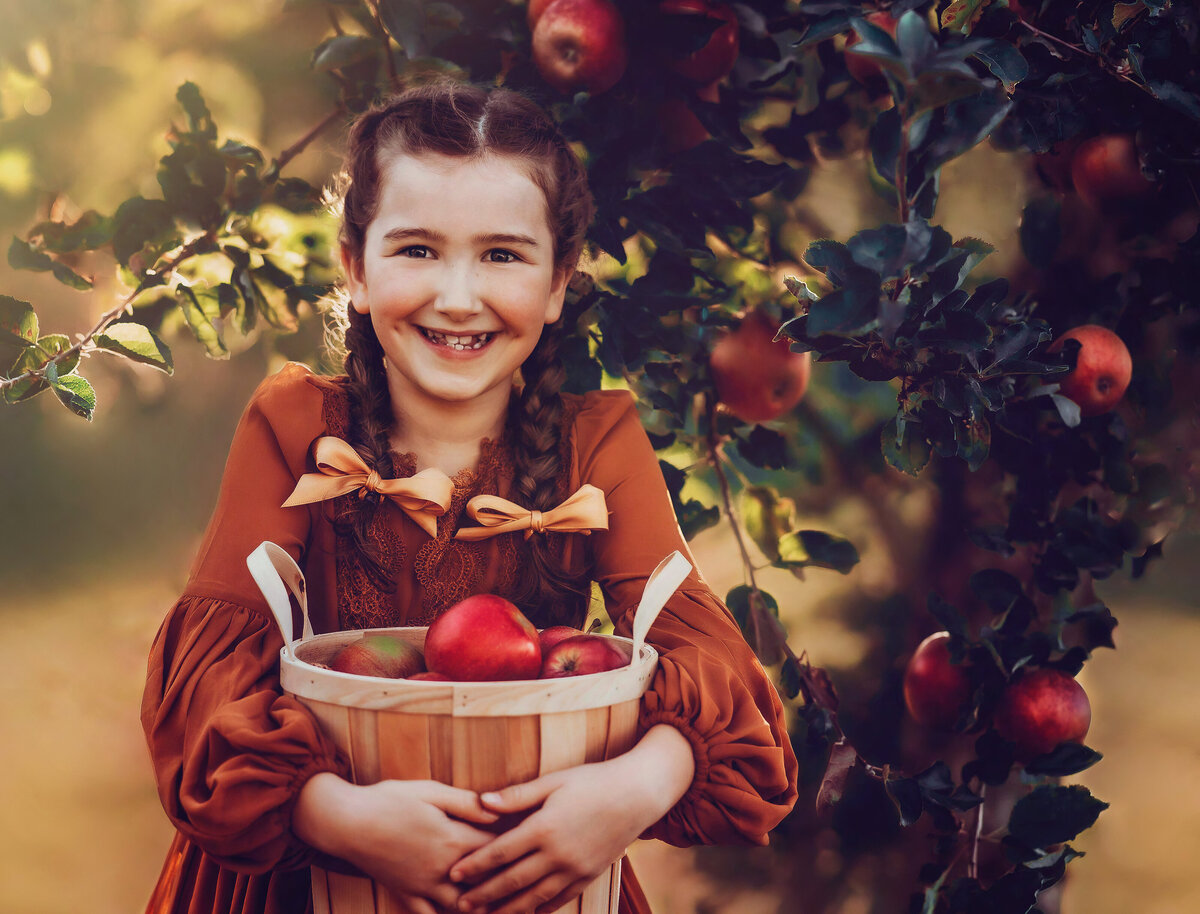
{"points": [[463, 220]]}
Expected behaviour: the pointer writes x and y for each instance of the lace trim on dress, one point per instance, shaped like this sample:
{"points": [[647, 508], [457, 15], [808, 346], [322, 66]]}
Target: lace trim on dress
{"points": [[447, 569]]}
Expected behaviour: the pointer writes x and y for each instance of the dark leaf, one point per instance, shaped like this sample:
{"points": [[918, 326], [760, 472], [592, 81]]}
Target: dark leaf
{"points": [[904, 447], [18, 322], [343, 51], [1041, 230], [842, 759], [764, 448], [1064, 760], [1053, 814], [802, 548], [23, 256], [996, 588], [905, 793], [947, 616]]}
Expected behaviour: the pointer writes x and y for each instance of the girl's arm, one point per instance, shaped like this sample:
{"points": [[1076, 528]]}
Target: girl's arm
{"points": [[588, 816]]}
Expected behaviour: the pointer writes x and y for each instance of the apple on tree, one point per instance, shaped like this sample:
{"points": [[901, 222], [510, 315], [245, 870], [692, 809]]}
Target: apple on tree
{"points": [[580, 44], [936, 690], [1102, 369], [581, 655], [483, 638], [716, 58], [379, 654], [1041, 709], [757, 378], [1106, 173]]}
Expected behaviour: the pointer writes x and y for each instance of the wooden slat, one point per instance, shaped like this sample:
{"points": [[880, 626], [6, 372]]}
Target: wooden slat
{"points": [[594, 899], [480, 745], [615, 892], [351, 894], [364, 742], [523, 759], [597, 734], [564, 741], [320, 892], [441, 753], [403, 746], [622, 728], [335, 721]]}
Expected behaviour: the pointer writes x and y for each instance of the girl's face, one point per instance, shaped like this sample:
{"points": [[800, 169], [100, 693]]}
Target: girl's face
{"points": [[457, 274]]}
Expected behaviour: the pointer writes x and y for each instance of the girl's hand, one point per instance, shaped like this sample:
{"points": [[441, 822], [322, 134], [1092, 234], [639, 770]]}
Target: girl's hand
{"points": [[403, 834], [589, 815]]}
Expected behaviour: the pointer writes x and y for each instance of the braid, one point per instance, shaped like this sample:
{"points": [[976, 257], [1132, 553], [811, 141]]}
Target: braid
{"points": [[370, 431], [552, 596]]}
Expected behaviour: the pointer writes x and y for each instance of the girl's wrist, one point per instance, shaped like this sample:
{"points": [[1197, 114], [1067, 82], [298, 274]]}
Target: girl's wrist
{"points": [[663, 768], [322, 811]]}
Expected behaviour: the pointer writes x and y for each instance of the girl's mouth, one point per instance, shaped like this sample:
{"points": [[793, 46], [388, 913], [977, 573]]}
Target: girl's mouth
{"points": [[458, 342]]}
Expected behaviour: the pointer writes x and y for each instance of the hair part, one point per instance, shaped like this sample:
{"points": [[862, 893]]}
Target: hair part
{"points": [[462, 120]]}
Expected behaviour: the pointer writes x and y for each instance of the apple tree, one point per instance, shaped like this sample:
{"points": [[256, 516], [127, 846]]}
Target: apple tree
{"points": [[1048, 413]]}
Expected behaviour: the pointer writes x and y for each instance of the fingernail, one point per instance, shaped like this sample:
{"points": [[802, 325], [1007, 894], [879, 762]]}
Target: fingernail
{"points": [[456, 876], [490, 797]]}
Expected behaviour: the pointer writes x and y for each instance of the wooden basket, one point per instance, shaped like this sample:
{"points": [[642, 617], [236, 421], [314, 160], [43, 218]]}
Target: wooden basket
{"points": [[478, 735]]}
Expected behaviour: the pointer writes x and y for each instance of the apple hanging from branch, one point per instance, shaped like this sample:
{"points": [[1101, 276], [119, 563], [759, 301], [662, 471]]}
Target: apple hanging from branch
{"points": [[1041, 709], [1102, 369], [580, 44], [757, 378], [936, 690]]}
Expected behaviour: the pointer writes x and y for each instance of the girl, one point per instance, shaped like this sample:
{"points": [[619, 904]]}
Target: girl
{"points": [[463, 220]]}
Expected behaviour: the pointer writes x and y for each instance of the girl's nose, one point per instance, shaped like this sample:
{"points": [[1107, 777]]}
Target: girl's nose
{"points": [[458, 296]]}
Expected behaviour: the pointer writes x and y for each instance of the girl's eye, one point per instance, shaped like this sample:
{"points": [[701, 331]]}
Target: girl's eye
{"points": [[417, 251], [499, 255]]}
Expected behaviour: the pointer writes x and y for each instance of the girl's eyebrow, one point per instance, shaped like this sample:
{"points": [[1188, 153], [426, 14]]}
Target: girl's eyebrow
{"points": [[405, 234]]}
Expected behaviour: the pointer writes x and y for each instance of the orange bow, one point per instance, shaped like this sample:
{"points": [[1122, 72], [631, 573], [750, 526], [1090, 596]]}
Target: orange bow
{"points": [[583, 512], [423, 497]]}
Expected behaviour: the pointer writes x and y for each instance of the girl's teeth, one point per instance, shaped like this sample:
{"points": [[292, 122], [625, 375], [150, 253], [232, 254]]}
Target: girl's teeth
{"points": [[460, 343]]}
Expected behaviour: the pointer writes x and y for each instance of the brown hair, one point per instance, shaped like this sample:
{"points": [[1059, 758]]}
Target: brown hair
{"points": [[457, 119]]}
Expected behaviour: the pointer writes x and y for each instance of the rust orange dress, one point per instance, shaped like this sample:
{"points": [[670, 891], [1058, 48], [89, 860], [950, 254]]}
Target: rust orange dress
{"points": [[231, 751]]}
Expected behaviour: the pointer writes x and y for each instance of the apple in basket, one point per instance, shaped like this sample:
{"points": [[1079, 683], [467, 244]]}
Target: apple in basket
{"points": [[482, 638], [582, 654], [379, 654], [548, 637]]}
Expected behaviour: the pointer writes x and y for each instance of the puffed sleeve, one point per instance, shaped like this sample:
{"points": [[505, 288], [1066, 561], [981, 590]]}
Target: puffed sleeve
{"points": [[709, 685], [230, 750]]}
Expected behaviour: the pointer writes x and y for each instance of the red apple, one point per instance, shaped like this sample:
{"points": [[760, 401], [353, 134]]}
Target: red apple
{"points": [[431, 677], [1102, 370], [536, 8], [580, 655], [936, 690], [1041, 709], [1106, 173], [678, 124], [863, 67], [378, 654], [548, 637], [484, 637], [580, 44], [755, 377], [716, 58]]}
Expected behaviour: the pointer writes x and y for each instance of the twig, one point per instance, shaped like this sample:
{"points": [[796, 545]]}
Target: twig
{"points": [[714, 451], [84, 342], [1104, 64], [973, 866], [301, 144], [393, 76]]}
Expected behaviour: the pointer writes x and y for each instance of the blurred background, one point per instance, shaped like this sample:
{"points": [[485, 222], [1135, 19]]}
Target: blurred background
{"points": [[100, 519]]}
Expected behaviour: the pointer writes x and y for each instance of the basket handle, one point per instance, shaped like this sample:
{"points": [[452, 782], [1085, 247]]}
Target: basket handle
{"points": [[272, 568], [663, 581]]}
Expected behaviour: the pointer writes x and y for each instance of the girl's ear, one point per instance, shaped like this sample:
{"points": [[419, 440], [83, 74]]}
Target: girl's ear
{"points": [[356, 285], [558, 292]]}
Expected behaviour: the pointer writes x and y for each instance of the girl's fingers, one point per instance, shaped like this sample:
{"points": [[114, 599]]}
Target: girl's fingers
{"points": [[531, 870], [507, 848], [536, 897], [462, 804], [570, 893], [521, 796]]}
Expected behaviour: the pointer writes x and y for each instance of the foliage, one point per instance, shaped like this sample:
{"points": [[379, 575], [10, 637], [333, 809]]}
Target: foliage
{"points": [[697, 237]]}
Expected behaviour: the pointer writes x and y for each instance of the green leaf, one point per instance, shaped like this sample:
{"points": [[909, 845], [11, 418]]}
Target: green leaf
{"points": [[1064, 760], [200, 311], [137, 343], [18, 322], [1054, 814], [199, 118], [23, 256], [1005, 61], [75, 393], [804, 548], [343, 51], [33, 358], [405, 22], [142, 225], [88, 232], [962, 15], [766, 516], [904, 447], [757, 614]]}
